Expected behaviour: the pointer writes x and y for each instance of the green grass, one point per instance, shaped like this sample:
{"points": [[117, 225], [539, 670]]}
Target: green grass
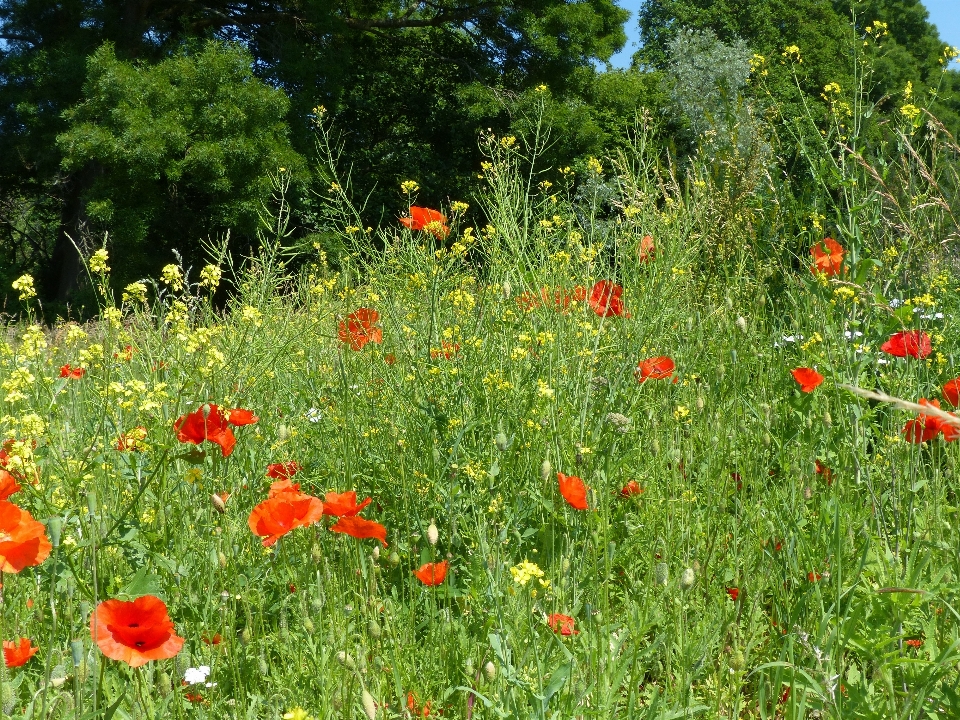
{"points": [[477, 396]]}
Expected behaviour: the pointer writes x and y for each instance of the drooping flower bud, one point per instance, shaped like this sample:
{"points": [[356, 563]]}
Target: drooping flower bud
{"points": [[546, 470], [661, 574], [218, 504], [369, 705], [432, 533], [687, 579], [490, 670]]}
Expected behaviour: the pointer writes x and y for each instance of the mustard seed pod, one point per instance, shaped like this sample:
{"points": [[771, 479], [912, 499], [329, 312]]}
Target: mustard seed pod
{"points": [[218, 504], [546, 470], [345, 659], [369, 705], [687, 578], [433, 535], [490, 671]]}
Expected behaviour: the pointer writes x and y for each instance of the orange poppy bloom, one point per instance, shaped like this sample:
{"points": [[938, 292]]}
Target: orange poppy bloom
{"points": [[206, 423], [73, 373], [630, 489], [813, 576], [951, 391], [8, 485], [605, 299], [360, 528], [239, 416], [431, 574], [915, 343], [574, 491], [431, 221], [134, 632], [734, 593], [827, 257], [562, 624], [646, 251], [285, 509], [807, 378], [655, 368], [360, 328], [926, 427], [825, 471], [283, 471], [23, 540], [412, 706], [19, 653], [343, 504]]}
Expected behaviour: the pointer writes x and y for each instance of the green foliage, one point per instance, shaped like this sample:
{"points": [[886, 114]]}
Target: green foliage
{"points": [[181, 150]]}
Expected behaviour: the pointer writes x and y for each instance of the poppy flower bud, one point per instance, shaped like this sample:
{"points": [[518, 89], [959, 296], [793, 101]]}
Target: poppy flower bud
{"points": [[373, 629], [661, 574], [490, 670], [54, 528], [546, 471], [369, 705], [565, 565], [308, 625], [263, 666], [164, 684], [687, 579], [376, 552], [432, 533], [501, 441], [218, 504], [742, 323], [76, 652], [807, 492], [345, 659], [468, 668], [221, 559], [92, 503], [394, 559], [206, 410], [507, 289], [827, 420], [737, 661], [700, 402], [246, 636]]}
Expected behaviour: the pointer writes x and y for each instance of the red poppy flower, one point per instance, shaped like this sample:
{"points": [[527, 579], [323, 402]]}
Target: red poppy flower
{"points": [[807, 378], [951, 391], [132, 440], [209, 639], [206, 423], [605, 299], [447, 351], [630, 489], [23, 540], [432, 573], [825, 471], [73, 373], [813, 576], [8, 485], [734, 593], [655, 368], [19, 653], [915, 343], [283, 471], [432, 221], [284, 510], [239, 416], [359, 328], [827, 257], [134, 632], [912, 642], [360, 528], [926, 427], [343, 504], [412, 706], [126, 354], [574, 491], [562, 624], [646, 251]]}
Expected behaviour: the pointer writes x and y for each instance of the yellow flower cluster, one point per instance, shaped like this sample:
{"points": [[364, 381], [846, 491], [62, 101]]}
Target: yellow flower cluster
{"points": [[24, 286], [134, 292], [98, 262], [527, 571], [210, 276], [171, 275], [408, 187], [792, 52]]}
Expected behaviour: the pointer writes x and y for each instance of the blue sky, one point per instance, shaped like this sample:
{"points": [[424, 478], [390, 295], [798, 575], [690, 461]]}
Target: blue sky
{"points": [[945, 14]]}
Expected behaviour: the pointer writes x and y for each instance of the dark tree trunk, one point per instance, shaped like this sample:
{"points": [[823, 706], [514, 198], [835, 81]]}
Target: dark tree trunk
{"points": [[66, 265]]}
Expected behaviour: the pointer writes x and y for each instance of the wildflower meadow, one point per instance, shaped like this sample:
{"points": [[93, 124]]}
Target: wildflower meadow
{"points": [[660, 448]]}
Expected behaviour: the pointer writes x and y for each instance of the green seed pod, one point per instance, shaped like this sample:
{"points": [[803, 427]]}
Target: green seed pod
{"points": [[394, 558], [308, 625], [164, 684], [246, 636], [501, 441], [373, 629], [369, 705]]}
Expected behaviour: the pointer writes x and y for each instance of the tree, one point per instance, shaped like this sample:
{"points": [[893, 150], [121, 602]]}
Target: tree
{"points": [[177, 151], [375, 64]]}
